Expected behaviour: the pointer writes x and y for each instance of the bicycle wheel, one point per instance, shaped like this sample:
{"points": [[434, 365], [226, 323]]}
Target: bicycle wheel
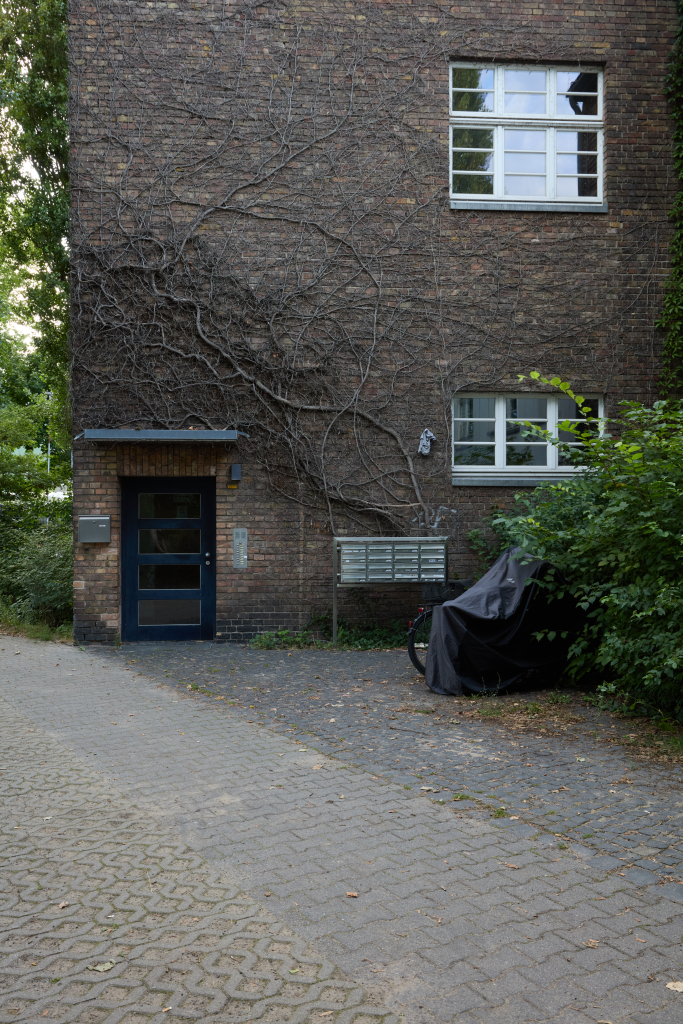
{"points": [[418, 640]]}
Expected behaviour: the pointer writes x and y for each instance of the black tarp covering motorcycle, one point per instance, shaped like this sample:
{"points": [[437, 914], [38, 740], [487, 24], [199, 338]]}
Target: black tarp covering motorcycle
{"points": [[484, 640]]}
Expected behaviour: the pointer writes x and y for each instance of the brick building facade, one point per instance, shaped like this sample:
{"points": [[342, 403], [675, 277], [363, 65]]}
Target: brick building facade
{"points": [[331, 230]]}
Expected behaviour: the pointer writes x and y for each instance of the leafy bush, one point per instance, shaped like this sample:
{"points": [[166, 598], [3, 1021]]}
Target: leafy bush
{"points": [[36, 562], [616, 534]]}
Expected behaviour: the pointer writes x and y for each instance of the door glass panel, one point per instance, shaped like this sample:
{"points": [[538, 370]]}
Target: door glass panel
{"points": [[169, 577], [169, 506], [169, 613], [169, 542]]}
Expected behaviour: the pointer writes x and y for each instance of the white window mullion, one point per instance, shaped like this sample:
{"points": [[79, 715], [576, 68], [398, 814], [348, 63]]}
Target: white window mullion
{"points": [[551, 150], [499, 162], [500, 431], [552, 429]]}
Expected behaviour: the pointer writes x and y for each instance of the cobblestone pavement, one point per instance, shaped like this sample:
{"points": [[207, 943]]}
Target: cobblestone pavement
{"points": [[453, 915]]}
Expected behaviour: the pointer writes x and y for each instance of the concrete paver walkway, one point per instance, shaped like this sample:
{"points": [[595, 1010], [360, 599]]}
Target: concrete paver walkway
{"points": [[457, 917]]}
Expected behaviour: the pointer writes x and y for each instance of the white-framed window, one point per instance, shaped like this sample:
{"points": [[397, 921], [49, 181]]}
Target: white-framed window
{"points": [[491, 437], [526, 134]]}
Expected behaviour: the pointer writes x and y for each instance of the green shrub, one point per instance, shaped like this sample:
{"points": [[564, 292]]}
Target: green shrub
{"points": [[616, 534], [36, 567]]}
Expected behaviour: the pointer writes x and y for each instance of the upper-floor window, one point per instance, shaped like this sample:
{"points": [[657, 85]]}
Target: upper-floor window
{"points": [[495, 434], [526, 134]]}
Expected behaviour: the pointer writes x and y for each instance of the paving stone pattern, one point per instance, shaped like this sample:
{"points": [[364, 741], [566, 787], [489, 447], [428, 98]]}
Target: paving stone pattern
{"points": [[458, 916], [90, 882]]}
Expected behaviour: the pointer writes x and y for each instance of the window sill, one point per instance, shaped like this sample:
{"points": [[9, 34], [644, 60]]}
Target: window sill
{"points": [[508, 478], [479, 204]]}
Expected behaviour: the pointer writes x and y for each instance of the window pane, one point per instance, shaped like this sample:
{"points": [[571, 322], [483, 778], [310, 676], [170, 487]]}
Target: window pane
{"points": [[473, 102], [524, 103], [567, 408], [474, 408], [577, 163], [169, 613], [587, 430], [472, 161], [525, 163], [526, 455], [169, 542], [564, 457], [577, 81], [517, 431], [525, 81], [169, 506], [476, 184], [524, 186], [531, 141], [577, 106], [577, 187], [526, 408], [577, 142], [474, 430], [169, 577], [473, 78], [474, 455], [476, 138]]}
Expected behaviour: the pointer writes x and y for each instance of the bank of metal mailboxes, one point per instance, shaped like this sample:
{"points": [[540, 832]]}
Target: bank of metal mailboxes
{"points": [[94, 529], [392, 560]]}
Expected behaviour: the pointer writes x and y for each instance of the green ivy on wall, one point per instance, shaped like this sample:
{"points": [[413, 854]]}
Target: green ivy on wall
{"points": [[672, 314]]}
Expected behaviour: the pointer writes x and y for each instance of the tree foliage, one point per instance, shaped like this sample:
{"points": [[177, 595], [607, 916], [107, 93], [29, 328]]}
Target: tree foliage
{"points": [[615, 532], [34, 173]]}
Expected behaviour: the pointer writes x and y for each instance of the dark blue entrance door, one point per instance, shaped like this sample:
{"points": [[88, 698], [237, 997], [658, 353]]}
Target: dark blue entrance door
{"points": [[168, 585]]}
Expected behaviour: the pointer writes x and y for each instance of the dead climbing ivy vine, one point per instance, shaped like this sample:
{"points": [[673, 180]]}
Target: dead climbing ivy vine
{"points": [[262, 239]]}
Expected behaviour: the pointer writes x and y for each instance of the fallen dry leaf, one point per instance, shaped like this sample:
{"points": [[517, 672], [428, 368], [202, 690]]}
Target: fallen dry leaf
{"points": [[353, 894], [639, 940], [591, 943], [107, 966], [65, 903], [326, 1013], [514, 817], [166, 1009], [267, 894], [675, 986], [515, 866]]}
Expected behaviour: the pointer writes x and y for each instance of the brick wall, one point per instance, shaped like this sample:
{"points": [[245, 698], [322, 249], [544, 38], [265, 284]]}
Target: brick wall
{"points": [[289, 573], [572, 294]]}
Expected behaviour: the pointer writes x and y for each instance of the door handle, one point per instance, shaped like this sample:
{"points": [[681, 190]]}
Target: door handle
{"points": [[207, 556]]}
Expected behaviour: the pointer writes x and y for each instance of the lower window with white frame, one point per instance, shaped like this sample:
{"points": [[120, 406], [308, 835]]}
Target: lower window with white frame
{"points": [[493, 442]]}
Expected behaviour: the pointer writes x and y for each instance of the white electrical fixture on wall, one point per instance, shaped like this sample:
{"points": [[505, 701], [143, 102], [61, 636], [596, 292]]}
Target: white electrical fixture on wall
{"points": [[239, 549]]}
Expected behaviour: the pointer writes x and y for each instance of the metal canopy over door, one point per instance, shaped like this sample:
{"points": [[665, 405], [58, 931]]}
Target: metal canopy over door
{"points": [[168, 585]]}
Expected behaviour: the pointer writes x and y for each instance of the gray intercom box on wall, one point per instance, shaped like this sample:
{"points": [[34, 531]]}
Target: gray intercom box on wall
{"points": [[94, 529], [239, 549]]}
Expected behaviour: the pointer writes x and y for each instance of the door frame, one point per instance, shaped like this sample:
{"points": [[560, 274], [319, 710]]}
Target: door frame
{"points": [[131, 487]]}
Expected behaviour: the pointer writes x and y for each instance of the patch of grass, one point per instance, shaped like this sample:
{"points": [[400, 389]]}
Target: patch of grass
{"points": [[499, 812], [462, 796], [532, 709], [350, 637], [407, 787], [558, 698], [563, 846], [491, 711], [11, 626]]}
